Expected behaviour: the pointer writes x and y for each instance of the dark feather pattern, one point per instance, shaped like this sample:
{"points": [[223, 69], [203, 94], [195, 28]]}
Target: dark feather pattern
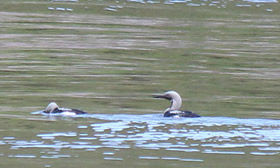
{"points": [[61, 110], [180, 114]]}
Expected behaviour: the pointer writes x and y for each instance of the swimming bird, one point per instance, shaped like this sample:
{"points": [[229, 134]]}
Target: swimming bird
{"points": [[53, 108], [176, 103]]}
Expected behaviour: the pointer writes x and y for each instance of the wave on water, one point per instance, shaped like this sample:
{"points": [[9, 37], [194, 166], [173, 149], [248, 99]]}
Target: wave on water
{"points": [[262, 1], [153, 132]]}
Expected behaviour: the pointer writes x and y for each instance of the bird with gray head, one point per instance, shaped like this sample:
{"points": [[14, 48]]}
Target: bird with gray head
{"points": [[53, 108], [176, 103]]}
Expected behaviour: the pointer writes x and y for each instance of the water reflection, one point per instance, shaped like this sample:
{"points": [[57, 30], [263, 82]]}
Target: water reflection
{"points": [[95, 55], [152, 132]]}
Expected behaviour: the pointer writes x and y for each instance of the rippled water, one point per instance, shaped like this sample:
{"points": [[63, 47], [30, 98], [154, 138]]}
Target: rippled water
{"points": [[109, 57], [149, 138]]}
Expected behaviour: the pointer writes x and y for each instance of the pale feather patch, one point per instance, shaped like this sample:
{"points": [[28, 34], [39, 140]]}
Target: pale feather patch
{"points": [[67, 113], [175, 112]]}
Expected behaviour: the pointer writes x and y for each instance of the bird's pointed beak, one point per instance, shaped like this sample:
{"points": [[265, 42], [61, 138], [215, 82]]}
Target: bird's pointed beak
{"points": [[162, 97]]}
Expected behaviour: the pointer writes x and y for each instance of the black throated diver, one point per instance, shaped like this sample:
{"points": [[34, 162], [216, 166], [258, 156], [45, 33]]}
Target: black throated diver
{"points": [[176, 102], [53, 108]]}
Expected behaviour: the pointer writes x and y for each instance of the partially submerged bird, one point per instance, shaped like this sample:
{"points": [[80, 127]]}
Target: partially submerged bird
{"points": [[176, 102], [53, 108]]}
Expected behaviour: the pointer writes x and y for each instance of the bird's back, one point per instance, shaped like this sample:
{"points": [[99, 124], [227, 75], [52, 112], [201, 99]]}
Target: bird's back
{"points": [[63, 110], [180, 114]]}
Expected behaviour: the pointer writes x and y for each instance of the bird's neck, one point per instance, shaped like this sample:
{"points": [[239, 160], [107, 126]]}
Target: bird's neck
{"points": [[175, 104]]}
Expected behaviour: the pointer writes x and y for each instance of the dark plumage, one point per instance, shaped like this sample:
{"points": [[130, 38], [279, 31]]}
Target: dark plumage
{"points": [[180, 114], [176, 102], [53, 108]]}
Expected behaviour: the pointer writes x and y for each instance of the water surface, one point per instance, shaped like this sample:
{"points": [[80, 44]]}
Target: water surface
{"points": [[109, 57]]}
